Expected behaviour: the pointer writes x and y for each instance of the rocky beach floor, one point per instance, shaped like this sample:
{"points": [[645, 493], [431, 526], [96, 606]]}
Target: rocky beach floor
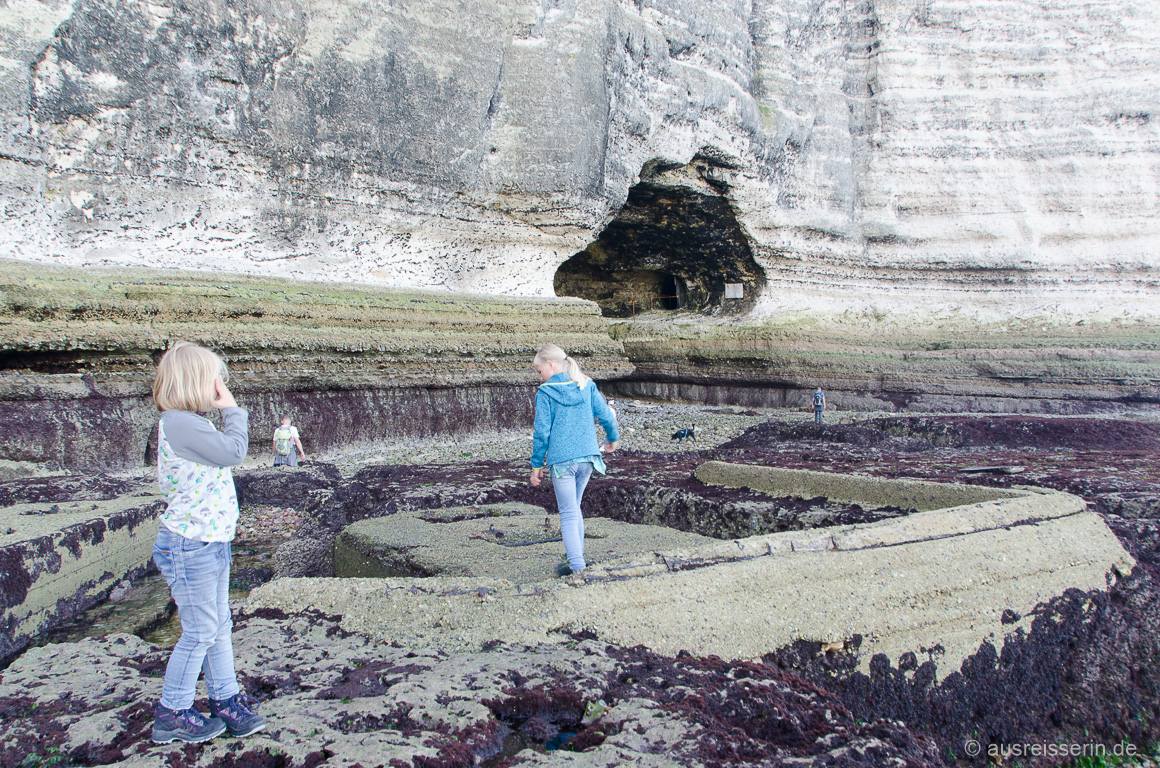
{"points": [[1087, 670]]}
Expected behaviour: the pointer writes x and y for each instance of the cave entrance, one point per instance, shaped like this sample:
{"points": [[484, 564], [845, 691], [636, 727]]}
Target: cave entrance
{"points": [[675, 244], [672, 289]]}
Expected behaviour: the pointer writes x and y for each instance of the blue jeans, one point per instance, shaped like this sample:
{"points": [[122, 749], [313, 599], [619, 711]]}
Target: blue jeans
{"points": [[569, 488], [198, 574], [818, 415]]}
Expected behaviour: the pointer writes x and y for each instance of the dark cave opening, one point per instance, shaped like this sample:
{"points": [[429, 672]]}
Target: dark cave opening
{"points": [[676, 244]]}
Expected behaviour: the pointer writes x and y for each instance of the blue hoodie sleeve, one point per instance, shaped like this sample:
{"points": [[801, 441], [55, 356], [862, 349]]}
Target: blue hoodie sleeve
{"points": [[605, 416], [543, 428]]}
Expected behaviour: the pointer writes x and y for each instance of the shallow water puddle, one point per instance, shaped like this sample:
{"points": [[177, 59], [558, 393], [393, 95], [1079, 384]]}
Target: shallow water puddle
{"points": [[146, 609]]}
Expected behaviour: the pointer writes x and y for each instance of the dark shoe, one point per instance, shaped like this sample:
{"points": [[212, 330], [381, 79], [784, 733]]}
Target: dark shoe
{"points": [[184, 725], [240, 714], [563, 569]]}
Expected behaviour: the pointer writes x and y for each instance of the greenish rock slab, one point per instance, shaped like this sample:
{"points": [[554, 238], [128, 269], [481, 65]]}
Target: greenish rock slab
{"points": [[59, 559], [944, 577], [516, 542], [922, 495]]}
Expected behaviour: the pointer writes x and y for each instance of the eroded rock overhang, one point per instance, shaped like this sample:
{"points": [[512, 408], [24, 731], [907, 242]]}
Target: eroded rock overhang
{"points": [[676, 244], [888, 160], [947, 577]]}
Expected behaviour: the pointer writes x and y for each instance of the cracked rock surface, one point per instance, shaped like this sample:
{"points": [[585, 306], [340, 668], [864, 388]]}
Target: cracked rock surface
{"points": [[343, 700]]}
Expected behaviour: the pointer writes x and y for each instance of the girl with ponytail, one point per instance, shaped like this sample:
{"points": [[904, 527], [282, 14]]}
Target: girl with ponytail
{"points": [[567, 407]]}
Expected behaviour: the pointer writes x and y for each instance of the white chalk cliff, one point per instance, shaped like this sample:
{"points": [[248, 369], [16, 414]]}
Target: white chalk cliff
{"points": [[989, 157]]}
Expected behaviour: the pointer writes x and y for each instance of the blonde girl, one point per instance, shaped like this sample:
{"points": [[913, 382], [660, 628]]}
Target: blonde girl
{"points": [[193, 543], [567, 407]]}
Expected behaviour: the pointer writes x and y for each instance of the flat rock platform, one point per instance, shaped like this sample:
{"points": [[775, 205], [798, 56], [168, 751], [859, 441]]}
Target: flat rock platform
{"points": [[945, 579], [514, 541]]}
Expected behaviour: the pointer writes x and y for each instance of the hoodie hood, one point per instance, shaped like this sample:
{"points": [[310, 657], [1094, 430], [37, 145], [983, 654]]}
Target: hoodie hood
{"points": [[565, 391]]}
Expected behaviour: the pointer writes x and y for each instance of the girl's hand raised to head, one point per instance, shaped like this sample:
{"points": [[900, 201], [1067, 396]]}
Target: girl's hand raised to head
{"points": [[221, 396]]}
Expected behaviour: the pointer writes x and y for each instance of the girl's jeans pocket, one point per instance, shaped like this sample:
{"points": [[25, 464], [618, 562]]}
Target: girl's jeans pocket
{"points": [[175, 555]]}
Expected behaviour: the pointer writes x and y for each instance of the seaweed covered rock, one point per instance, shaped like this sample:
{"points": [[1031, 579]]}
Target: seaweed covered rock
{"points": [[330, 695], [285, 486]]}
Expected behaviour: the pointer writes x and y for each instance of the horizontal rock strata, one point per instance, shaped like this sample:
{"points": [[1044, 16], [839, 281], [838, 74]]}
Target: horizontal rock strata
{"points": [[350, 364], [1032, 365], [876, 156]]}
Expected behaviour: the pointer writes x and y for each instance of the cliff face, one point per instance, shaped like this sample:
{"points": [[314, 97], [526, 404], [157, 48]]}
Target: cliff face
{"points": [[933, 156]]}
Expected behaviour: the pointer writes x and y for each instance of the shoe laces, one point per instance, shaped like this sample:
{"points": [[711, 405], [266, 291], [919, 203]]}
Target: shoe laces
{"points": [[188, 717], [241, 705]]}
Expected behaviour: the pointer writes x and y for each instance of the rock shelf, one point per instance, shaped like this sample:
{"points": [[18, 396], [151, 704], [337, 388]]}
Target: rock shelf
{"points": [[342, 700], [62, 555], [887, 581], [414, 684], [352, 364], [516, 542]]}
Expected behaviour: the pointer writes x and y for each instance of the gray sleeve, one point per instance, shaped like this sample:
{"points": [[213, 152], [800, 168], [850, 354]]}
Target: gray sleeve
{"points": [[193, 437]]}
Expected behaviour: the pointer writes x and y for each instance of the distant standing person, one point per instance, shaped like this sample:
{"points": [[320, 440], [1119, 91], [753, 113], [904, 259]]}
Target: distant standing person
{"points": [[567, 408], [285, 441], [819, 405]]}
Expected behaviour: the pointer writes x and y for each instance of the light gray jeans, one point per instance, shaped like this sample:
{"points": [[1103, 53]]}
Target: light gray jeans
{"points": [[198, 574], [569, 487]]}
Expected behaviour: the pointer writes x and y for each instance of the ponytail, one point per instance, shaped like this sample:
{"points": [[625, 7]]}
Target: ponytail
{"points": [[550, 353], [575, 374]]}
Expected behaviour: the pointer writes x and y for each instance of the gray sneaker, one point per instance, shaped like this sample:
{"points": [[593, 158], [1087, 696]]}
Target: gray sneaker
{"points": [[240, 714], [184, 725]]}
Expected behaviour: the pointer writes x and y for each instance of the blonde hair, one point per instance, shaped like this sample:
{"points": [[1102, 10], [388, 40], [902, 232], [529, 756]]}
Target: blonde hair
{"points": [[185, 378], [550, 353]]}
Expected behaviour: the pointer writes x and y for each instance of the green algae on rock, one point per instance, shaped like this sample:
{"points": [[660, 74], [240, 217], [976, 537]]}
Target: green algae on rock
{"points": [[517, 542], [352, 363], [1049, 364]]}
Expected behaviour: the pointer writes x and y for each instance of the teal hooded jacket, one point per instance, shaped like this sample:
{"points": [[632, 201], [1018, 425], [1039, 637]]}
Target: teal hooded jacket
{"points": [[565, 421]]}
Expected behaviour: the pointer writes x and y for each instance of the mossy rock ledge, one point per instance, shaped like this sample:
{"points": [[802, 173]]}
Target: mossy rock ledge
{"points": [[516, 542]]}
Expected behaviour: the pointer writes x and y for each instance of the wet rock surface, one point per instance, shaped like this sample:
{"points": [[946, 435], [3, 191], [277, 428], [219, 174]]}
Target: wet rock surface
{"points": [[916, 434], [335, 699], [285, 486], [516, 542], [64, 488], [640, 488], [58, 559], [1087, 668], [1084, 668]]}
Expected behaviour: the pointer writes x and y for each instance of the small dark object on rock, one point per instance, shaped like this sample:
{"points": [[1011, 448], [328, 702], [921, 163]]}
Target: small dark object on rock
{"points": [[992, 470], [681, 434], [1009, 616]]}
